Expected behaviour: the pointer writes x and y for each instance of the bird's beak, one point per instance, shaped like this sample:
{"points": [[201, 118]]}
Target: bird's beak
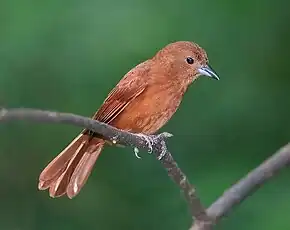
{"points": [[206, 70]]}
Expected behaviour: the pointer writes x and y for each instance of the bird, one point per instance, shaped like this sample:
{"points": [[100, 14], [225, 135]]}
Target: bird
{"points": [[142, 102]]}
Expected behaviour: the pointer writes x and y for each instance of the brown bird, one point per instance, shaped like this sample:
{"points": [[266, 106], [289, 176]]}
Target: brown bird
{"points": [[142, 102]]}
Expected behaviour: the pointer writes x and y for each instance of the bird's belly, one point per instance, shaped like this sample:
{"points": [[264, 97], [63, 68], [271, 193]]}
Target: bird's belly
{"points": [[148, 113]]}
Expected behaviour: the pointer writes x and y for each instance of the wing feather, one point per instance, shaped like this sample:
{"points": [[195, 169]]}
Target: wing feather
{"points": [[130, 87], [117, 102]]}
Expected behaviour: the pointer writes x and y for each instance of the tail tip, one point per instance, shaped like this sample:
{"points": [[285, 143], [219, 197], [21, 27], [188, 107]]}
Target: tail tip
{"points": [[42, 185]]}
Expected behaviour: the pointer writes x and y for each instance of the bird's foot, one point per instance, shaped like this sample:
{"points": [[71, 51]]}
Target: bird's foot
{"points": [[136, 151], [151, 140], [162, 137]]}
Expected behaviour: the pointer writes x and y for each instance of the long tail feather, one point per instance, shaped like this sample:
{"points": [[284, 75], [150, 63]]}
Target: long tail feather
{"points": [[83, 171], [56, 167], [69, 169], [58, 187]]}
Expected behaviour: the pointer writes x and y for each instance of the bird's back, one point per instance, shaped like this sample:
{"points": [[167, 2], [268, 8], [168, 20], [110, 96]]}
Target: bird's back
{"points": [[152, 103]]}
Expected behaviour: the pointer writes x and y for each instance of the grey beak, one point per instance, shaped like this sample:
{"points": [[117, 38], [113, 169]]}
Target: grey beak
{"points": [[208, 71]]}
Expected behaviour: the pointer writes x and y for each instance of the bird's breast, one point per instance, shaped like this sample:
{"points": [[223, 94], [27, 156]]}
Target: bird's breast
{"points": [[150, 110]]}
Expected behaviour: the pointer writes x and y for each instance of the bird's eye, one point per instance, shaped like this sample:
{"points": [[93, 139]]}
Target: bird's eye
{"points": [[189, 60]]}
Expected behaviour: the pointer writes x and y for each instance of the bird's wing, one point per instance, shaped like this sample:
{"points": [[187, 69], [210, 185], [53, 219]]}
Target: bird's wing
{"points": [[117, 101], [130, 87]]}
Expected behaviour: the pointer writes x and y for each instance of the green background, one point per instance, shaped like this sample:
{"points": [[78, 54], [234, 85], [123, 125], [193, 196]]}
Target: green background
{"points": [[67, 55]]}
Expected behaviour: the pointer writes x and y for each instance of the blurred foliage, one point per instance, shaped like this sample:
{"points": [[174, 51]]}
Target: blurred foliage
{"points": [[67, 55]]}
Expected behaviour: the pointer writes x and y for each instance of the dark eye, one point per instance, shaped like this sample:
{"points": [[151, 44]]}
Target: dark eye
{"points": [[189, 60]]}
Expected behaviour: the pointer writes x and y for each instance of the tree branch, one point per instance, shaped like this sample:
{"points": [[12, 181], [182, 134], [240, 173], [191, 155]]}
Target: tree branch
{"points": [[204, 219], [246, 186], [159, 148]]}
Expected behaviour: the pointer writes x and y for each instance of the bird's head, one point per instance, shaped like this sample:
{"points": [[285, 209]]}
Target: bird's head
{"points": [[185, 59]]}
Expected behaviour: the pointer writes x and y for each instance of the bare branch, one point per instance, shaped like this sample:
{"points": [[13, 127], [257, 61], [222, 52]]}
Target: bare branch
{"points": [[245, 187], [204, 220], [119, 137]]}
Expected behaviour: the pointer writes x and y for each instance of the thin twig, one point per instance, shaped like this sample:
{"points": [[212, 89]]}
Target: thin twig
{"points": [[119, 137], [245, 187]]}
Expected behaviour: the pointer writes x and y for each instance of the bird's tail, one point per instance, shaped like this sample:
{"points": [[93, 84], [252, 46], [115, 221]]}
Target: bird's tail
{"points": [[69, 171]]}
